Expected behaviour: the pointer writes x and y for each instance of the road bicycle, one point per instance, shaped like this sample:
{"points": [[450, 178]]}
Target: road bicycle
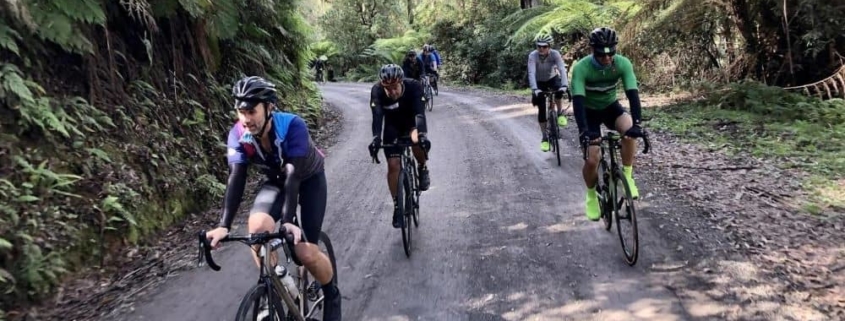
{"points": [[408, 191], [428, 92], [551, 122], [611, 199], [270, 296]]}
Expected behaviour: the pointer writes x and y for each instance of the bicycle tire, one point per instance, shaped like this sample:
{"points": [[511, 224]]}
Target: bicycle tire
{"points": [[252, 300], [603, 190], [303, 290], [430, 97], [555, 136], [402, 199], [630, 249], [416, 195]]}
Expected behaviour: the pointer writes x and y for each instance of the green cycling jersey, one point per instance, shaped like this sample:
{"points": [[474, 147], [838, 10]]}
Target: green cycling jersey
{"points": [[598, 85]]}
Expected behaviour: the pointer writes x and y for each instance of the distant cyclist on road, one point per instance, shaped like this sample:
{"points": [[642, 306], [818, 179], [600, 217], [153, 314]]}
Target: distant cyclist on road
{"points": [[398, 103], [541, 76], [271, 140], [412, 65], [594, 81], [430, 66]]}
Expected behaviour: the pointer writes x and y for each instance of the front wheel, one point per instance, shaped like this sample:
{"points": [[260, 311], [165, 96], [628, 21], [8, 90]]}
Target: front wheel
{"points": [[402, 197], [626, 213], [259, 304]]}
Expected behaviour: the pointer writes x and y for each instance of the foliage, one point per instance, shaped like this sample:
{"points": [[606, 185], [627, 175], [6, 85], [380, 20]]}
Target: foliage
{"points": [[103, 114]]}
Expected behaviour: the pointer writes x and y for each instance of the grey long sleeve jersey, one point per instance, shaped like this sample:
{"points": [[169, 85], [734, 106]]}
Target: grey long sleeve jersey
{"points": [[542, 68]]}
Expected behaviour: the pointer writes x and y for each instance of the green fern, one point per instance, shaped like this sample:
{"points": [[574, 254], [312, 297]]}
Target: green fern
{"points": [[225, 19], [9, 38]]}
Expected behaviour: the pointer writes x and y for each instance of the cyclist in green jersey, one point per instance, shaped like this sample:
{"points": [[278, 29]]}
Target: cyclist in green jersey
{"points": [[593, 83]]}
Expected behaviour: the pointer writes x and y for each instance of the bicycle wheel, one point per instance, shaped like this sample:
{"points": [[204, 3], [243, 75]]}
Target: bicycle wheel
{"points": [[630, 246], [310, 287], [554, 135], [429, 97], [258, 305], [605, 195], [415, 180], [403, 204]]}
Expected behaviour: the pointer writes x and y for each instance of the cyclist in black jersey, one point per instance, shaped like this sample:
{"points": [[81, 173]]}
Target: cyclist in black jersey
{"points": [[398, 103], [273, 140]]}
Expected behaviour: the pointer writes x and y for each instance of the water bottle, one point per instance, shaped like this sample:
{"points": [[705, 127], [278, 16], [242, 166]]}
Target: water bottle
{"points": [[287, 281]]}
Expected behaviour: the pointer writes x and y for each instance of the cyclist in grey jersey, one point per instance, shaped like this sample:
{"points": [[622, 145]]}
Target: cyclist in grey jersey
{"points": [[542, 76]]}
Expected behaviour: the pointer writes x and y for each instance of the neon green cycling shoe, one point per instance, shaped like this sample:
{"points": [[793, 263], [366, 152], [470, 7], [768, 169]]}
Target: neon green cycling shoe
{"points": [[592, 205], [544, 146], [629, 176], [561, 120]]}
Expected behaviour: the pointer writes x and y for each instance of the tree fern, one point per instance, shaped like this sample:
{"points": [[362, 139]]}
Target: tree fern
{"points": [[224, 19]]}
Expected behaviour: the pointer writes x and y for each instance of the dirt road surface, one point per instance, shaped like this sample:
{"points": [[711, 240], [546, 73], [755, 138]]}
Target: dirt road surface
{"points": [[502, 233]]}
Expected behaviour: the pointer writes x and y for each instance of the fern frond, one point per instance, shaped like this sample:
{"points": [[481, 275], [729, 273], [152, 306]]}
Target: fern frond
{"points": [[8, 39]]}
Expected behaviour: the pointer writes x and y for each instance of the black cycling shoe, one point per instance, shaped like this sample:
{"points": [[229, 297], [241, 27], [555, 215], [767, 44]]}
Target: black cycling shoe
{"points": [[398, 220], [331, 303], [424, 179]]}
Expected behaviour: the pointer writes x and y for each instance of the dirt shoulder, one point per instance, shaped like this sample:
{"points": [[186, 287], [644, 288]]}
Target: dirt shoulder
{"points": [[103, 293]]}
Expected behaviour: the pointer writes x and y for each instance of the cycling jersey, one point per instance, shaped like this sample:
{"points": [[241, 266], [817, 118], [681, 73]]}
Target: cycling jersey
{"points": [[542, 68], [292, 144], [406, 112], [412, 67], [428, 63], [598, 84], [436, 57]]}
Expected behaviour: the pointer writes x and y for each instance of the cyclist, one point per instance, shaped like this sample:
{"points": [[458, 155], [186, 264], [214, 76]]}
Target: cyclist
{"points": [[318, 66], [430, 66], [398, 103], [272, 139], [594, 80], [412, 65], [541, 76], [436, 56]]}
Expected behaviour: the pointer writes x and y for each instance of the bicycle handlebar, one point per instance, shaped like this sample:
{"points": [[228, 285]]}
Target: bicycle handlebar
{"points": [[606, 137], [552, 92], [251, 239], [402, 142]]}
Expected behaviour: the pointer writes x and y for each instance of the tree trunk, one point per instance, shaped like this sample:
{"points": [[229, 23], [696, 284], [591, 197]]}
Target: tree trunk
{"points": [[411, 12], [525, 4]]}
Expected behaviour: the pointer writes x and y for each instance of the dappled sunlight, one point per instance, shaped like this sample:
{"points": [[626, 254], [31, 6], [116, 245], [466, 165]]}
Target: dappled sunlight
{"points": [[516, 114], [521, 226], [568, 226], [509, 107]]}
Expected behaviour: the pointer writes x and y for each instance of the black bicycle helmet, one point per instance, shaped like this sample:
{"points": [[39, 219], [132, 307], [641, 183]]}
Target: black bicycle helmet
{"points": [[603, 37], [543, 40], [411, 52], [391, 72], [251, 90]]}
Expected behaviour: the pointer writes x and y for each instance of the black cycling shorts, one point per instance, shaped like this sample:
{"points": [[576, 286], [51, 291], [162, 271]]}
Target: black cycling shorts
{"points": [[391, 133], [312, 205], [606, 116]]}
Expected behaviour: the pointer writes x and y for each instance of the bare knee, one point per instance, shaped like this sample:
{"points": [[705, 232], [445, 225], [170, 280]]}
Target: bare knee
{"points": [[592, 161], [307, 253], [260, 222]]}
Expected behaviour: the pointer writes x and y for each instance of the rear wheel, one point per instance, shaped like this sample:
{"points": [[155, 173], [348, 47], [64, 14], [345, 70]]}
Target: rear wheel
{"points": [[605, 196], [311, 288]]}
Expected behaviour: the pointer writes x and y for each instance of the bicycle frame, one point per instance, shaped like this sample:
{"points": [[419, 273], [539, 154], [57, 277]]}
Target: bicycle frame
{"points": [[266, 276]]}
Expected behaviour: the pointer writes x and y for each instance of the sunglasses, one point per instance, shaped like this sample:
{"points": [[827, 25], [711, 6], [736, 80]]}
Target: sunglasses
{"points": [[542, 47], [599, 54]]}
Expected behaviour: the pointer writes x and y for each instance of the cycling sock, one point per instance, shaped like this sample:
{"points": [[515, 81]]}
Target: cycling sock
{"points": [[591, 191], [628, 170]]}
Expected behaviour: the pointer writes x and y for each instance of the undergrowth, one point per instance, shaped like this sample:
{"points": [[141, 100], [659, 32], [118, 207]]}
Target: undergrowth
{"points": [[791, 130]]}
